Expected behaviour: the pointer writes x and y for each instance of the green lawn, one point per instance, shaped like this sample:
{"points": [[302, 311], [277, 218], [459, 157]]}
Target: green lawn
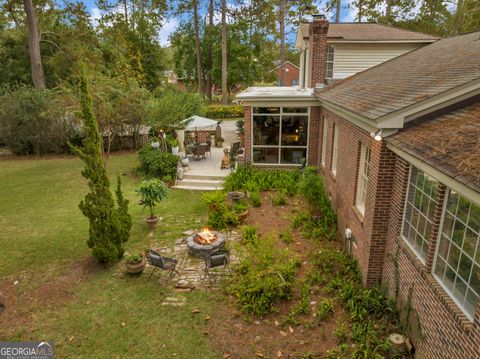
{"points": [[42, 241]]}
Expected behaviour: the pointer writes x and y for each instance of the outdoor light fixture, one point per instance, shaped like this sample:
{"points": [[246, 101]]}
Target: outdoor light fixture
{"points": [[377, 135]]}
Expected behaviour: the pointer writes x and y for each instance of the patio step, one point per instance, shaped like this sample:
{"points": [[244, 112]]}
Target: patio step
{"points": [[200, 183], [204, 176]]}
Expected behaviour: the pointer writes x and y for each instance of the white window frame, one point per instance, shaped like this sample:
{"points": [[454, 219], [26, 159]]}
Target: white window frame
{"points": [[437, 248], [406, 240], [330, 63], [324, 140], [335, 149], [363, 176], [280, 146]]}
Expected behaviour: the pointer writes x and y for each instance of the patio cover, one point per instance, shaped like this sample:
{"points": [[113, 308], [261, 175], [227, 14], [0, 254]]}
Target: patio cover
{"points": [[199, 123]]}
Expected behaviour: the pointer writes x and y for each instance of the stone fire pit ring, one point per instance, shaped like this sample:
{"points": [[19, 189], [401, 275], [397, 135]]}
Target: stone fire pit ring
{"points": [[202, 250]]}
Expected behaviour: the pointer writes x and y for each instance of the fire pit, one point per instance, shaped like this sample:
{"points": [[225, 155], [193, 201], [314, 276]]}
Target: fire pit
{"points": [[205, 242]]}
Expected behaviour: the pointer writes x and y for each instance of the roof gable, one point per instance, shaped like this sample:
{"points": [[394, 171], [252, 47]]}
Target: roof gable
{"points": [[409, 79], [368, 32]]}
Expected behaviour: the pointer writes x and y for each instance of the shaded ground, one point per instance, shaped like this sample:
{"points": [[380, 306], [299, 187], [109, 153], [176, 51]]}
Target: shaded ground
{"points": [[236, 335]]}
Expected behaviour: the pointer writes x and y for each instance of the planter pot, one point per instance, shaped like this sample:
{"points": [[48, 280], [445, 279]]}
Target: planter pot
{"points": [[135, 268], [219, 144], [185, 161], [152, 222], [155, 145], [175, 150]]}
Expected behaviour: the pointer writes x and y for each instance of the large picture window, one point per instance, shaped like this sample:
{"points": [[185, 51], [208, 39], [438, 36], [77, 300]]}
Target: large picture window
{"points": [[419, 210], [280, 135], [457, 264]]}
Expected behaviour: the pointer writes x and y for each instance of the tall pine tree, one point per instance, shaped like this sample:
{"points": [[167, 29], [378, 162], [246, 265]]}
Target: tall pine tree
{"points": [[109, 225]]}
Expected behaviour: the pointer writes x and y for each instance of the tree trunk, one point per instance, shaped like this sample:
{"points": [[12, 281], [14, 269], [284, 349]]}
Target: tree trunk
{"points": [[209, 84], [360, 10], [34, 47], [125, 9], [224, 53], [197, 48], [388, 12], [458, 17], [337, 13], [281, 19]]}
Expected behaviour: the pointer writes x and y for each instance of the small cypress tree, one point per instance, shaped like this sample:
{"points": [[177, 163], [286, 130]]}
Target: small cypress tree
{"points": [[109, 226]]}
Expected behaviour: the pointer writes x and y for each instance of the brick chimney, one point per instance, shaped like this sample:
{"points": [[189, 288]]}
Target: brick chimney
{"points": [[317, 47]]}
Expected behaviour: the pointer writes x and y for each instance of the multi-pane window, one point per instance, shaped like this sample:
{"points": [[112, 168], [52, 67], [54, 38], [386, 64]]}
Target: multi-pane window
{"points": [[419, 211], [363, 173], [335, 149], [457, 265], [330, 58], [280, 135], [324, 140]]}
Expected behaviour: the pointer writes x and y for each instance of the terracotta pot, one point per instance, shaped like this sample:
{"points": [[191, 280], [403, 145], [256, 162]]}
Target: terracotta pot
{"points": [[152, 221], [135, 268]]}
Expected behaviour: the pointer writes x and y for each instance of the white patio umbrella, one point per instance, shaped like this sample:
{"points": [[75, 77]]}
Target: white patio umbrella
{"points": [[199, 123]]}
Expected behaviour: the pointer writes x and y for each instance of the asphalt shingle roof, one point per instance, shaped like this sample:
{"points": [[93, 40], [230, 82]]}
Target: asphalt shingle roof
{"points": [[410, 78], [368, 32], [449, 142]]}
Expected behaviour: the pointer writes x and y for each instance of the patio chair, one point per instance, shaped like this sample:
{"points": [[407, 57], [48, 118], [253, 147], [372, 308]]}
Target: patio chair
{"points": [[217, 259], [163, 263]]}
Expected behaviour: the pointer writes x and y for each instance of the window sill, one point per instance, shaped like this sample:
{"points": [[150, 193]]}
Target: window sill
{"points": [[459, 316], [359, 214]]}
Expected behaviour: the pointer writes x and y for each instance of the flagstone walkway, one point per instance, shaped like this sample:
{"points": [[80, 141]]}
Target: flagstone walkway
{"points": [[192, 269]]}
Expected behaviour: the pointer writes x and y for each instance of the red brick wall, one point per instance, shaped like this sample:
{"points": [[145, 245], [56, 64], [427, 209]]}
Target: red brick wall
{"points": [[247, 116], [317, 51], [370, 229], [314, 135], [447, 332]]}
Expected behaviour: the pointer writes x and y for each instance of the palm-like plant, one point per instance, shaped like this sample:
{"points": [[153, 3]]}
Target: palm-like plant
{"points": [[151, 193]]}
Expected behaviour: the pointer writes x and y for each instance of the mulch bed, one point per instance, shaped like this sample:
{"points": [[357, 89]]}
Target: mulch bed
{"points": [[236, 335]]}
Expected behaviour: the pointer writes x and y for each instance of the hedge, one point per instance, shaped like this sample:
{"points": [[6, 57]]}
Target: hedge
{"points": [[224, 111]]}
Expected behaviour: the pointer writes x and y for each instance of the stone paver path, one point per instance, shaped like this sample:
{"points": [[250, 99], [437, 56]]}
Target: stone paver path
{"points": [[192, 269]]}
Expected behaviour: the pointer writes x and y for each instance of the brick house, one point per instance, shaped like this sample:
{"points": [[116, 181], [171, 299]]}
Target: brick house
{"points": [[398, 148], [292, 72]]}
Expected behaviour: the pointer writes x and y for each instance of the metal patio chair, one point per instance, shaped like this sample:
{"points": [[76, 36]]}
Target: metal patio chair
{"points": [[164, 263], [217, 259]]}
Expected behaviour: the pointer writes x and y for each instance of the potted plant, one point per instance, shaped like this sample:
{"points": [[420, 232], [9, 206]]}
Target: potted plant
{"points": [[175, 145], [135, 263], [219, 141], [151, 193]]}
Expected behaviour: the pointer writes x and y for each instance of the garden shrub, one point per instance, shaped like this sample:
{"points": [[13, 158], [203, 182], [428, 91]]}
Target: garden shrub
{"points": [[155, 163], [38, 122], [220, 214], [256, 199], [252, 179], [279, 199], [249, 234], [325, 309], [371, 312], [265, 276], [224, 111]]}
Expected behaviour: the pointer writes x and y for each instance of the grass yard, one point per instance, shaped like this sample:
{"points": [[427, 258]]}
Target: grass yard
{"points": [[61, 293], [299, 294]]}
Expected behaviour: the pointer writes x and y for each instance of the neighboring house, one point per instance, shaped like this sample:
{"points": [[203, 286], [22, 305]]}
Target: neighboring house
{"points": [[176, 81], [291, 74], [398, 148]]}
